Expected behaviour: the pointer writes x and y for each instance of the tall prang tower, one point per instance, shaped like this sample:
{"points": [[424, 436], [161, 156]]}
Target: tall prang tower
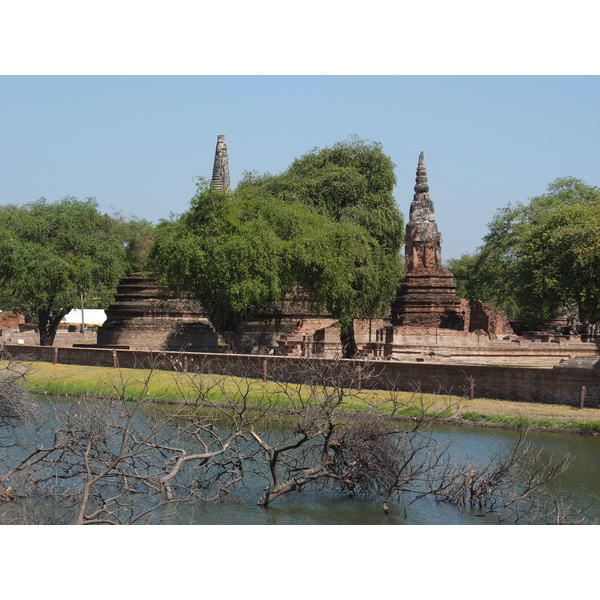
{"points": [[427, 296], [220, 177]]}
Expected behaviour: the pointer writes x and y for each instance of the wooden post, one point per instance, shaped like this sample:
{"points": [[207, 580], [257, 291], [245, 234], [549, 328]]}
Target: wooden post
{"points": [[114, 357], [582, 397], [264, 370], [185, 364], [472, 389], [55, 358]]}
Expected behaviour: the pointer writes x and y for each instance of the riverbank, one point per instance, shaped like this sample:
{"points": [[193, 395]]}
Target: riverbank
{"points": [[165, 386]]}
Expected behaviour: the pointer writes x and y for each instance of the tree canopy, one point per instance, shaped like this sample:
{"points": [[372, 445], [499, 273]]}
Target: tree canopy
{"points": [[328, 225], [541, 257], [52, 254]]}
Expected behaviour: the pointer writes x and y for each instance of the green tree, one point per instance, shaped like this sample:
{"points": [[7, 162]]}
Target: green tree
{"points": [[328, 226], [223, 253], [463, 269], [53, 254], [544, 255], [352, 181], [136, 236]]}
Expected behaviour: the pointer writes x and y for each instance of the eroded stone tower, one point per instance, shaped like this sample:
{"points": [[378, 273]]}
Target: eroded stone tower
{"points": [[427, 297], [220, 177]]}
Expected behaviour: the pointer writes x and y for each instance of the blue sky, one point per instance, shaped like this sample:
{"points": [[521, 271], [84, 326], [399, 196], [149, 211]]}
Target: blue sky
{"points": [[137, 143]]}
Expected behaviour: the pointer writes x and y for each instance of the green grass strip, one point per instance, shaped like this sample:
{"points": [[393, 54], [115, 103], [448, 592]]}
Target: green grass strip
{"points": [[523, 422], [168, 387]]}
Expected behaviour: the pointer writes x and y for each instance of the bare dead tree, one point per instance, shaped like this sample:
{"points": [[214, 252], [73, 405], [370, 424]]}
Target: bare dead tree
{"points": [[16, 405], [110, 462], [325, 440], [512, 486], [16, 410]]}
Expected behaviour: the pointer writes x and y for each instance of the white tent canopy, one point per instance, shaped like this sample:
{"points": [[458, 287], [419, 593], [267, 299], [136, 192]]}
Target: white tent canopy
{"points": [[91, 316]]}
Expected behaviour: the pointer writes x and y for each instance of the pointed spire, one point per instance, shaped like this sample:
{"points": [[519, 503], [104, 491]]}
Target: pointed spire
{"points": [[423, 240], [220, 177], [421, 208], [422, 185]]}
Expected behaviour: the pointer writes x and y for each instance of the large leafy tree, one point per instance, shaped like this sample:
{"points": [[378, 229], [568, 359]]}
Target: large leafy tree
{"points": [[352, 181], [224, 253], [543, 256], [136, 237], [53, 254], [327, 226], [463, 269]]}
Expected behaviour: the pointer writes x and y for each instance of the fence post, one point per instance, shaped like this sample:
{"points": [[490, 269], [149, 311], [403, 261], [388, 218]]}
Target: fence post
{"points": [[114, 357], [472, 388], [582, 397], [185, 364], [55, 357], [264, 370]]}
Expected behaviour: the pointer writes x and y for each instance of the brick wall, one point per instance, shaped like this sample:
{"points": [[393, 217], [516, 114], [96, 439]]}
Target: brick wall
{"points": [[559, 385]]}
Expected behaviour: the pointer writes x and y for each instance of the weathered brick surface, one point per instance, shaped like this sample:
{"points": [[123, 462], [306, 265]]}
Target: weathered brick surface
{"points": [[485, 318], [220, 179], [140, 320], [427, 296], [10, 320], [428, 299]]}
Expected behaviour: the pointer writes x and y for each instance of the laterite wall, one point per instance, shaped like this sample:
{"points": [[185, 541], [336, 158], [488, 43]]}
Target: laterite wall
{"points": [[559, 385]]}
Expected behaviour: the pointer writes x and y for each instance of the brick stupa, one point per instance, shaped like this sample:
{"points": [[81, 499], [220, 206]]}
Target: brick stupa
{"points": [[140, 319], [427, 297]]}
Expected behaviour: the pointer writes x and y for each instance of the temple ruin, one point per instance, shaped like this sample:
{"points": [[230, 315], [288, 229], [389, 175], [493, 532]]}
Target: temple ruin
{"points": [[427, 320], [425, 311], [427, 297], [140, 318]]}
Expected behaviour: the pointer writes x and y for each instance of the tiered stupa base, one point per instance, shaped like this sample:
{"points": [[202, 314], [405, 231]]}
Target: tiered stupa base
{"points": [[428, 299], [139, 320]]}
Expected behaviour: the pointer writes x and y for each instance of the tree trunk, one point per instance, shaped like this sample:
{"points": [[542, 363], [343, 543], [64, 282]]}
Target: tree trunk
{"points": [[589, 312], [234, 329], [349, 347], [47, 325]]}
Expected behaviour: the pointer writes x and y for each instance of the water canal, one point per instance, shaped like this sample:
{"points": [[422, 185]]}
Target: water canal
{"points": [[581, 484]]}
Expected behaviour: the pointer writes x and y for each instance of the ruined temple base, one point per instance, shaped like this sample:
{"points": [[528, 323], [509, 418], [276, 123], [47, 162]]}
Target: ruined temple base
{"points": [[443, 346], [287, 335], [139, 319], [428, 299], [160, 334]]}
